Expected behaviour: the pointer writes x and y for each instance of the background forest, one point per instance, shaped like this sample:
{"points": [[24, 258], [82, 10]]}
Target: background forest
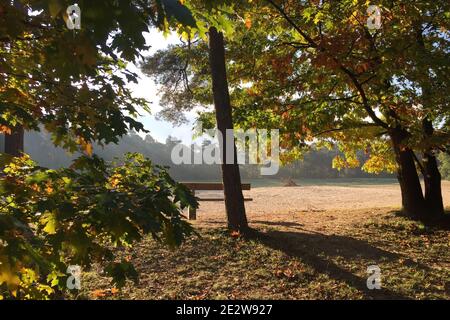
{"points": [[316, 164]]}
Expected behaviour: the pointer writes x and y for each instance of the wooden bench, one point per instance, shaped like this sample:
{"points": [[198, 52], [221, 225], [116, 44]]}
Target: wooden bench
{"points": [[209, 186]]}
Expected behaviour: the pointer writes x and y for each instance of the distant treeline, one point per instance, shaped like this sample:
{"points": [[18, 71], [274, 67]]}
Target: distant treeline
{"points": [[316, 163]]}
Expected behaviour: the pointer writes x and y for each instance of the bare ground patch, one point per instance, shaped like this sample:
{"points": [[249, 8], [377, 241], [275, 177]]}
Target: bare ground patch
{"points": [[306, 203]]}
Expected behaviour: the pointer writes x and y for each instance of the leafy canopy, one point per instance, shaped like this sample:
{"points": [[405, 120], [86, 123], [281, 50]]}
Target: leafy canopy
{"points": [[50, 219], [74, 84], [314, 70], [74, 81]]}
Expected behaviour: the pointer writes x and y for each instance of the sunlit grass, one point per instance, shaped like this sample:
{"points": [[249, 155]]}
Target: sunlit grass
{"points": [[278, 263]]}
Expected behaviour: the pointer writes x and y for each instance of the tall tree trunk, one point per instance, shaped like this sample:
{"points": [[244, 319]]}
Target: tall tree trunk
{"points": [[14, 141], [413, 201], [432, 176], [234, 199]]}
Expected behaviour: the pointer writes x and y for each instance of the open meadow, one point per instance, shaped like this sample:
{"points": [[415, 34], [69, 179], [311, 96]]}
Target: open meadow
{"points": [[124, 126], [310, 242]]}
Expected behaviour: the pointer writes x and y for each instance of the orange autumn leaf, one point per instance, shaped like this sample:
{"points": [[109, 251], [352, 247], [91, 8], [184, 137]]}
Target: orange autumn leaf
{"points": [[99, 293], [115, 180], [114, 291], [248, 22], [289, 273], [5, 129], [88, 149], [235, 234], [49, 189]]}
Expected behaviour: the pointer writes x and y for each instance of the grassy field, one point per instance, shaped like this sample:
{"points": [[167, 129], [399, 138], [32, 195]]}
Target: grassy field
{"points": [[291, 261], [275, 182]]}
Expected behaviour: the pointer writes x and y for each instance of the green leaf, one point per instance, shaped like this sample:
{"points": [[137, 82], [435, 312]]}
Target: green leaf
{"points": [[180, 12], [55, 7], [122, 271], [5, 159]]}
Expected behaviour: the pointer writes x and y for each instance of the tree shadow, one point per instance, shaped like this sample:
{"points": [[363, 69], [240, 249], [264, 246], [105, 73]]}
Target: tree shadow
{"points": [[311, 248], [439, 223]]}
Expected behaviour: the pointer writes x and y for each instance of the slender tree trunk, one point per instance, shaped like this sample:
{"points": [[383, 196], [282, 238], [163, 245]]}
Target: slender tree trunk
{"points": [[234, 199], [14, 141], [413, 201], [432, 176]]}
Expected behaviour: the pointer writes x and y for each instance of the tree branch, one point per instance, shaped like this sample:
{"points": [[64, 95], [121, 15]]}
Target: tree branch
{"points": [[357, 126], [350, 74], [293, 24], [362, 93]]}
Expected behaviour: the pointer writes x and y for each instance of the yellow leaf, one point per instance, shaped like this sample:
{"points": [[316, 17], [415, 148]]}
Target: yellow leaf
{"points": [[86, 146], [7, 275], [50, 222], [89, 149]]}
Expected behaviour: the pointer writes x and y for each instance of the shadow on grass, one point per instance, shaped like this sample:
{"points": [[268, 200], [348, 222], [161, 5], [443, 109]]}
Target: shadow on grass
{"points": [[312, 248], [434, 223]]}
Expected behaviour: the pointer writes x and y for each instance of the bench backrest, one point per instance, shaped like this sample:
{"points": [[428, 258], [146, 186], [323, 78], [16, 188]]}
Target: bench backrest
{"points": [[211, 185]]}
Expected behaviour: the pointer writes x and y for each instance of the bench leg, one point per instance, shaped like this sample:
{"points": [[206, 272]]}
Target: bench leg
{"points": [[192, 213]]}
